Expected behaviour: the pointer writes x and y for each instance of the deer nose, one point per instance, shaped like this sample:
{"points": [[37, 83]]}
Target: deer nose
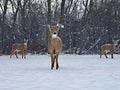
{"points": [[54, 33]]}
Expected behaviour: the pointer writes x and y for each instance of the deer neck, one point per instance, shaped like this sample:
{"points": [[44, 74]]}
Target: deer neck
{"points": [[114, 45], [25, 44]]}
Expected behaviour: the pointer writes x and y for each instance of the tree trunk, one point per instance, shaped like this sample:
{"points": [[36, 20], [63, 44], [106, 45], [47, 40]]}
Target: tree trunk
{"points": [[48, 19], [62, 12], [49, 11], [2, 26]]}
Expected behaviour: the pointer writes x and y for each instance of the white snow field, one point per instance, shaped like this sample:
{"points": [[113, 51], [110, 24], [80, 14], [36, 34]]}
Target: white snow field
{"points": [[76, 72]]}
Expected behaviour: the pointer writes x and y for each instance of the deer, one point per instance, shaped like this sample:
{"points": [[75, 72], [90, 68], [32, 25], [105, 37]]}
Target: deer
{"points": [[19, 47], [54, 45], [108, 48]]}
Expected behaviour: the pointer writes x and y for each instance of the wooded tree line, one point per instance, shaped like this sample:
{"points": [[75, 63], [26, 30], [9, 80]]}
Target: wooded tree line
{"points": [[88, 24]]}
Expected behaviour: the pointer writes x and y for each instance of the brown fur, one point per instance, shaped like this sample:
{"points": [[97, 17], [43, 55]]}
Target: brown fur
{"points": [[54, 46], [108, 48], [19, 47]]}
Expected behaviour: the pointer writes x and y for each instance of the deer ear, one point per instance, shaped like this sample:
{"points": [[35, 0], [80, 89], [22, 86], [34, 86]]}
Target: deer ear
{"points": [[49, 27], [62, 26], [57, 26], [27, 40], [113, 40]]}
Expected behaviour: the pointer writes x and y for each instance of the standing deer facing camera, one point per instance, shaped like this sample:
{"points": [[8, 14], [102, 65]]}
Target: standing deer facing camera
{"points": [[54, 45], [19, 47], [108, 48]]}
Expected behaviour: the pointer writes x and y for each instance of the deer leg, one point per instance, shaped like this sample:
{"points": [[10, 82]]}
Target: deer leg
{"points": [[16, 55], [112, 55], [100, 55], [25, 54], [57, 65], [11, 54], [22, 54], [105, 55], [52, 61]]}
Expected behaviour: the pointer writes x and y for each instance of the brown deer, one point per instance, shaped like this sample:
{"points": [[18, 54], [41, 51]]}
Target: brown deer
{"points": [[54, 45], [108, 48], [19, 47]]}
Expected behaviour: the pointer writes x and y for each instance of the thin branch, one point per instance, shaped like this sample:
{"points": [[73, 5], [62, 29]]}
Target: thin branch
{"points": [[1, 7]]}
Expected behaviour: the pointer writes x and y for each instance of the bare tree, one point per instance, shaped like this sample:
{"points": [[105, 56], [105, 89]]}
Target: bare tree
{"points": [[62, 12], [4, 8], [85, 4], [49, 11]]}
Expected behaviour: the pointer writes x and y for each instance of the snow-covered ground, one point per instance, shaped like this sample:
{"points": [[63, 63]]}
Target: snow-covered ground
{"points": [[76, 72]]}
